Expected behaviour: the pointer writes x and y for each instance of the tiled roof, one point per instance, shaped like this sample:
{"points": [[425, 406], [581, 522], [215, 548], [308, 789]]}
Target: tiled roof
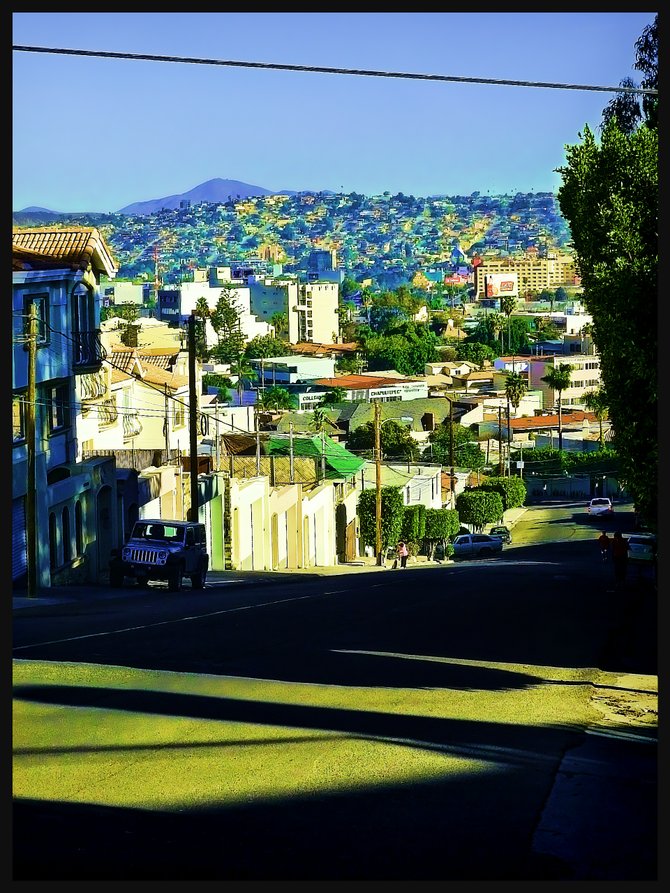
{"points": [[533, 423], [119, 375], [79, 247], [308, 348]]}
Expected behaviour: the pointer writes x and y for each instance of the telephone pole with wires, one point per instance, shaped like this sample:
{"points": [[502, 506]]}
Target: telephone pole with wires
{"points": [[31, 492]]}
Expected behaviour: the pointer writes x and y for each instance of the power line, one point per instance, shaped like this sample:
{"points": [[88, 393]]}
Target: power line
{"points": [[319, 69]]}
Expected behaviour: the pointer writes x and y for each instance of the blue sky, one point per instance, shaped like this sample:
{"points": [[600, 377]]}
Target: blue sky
{"points": [[95, 134]]}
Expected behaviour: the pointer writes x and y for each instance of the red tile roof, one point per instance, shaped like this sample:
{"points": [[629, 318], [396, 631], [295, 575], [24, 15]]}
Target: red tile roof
{"points": [[532, 423], [79, 247]]}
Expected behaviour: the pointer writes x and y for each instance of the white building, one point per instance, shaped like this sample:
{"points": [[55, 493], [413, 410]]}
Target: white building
{"points": [[310, 308]]}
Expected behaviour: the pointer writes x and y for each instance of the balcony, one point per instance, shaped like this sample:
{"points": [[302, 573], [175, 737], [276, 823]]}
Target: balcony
{"points": [[93, 387], [107, 413], [88, 351], [131, 424]]}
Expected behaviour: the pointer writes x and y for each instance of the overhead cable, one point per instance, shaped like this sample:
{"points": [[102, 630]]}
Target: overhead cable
{"points": [[320, 69]]}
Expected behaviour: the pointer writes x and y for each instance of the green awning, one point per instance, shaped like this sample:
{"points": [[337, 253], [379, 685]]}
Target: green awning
{"points": [[339, 461]]}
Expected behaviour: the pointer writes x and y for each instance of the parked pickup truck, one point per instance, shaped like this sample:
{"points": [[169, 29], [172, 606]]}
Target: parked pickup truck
{"points": [[162, 550]]}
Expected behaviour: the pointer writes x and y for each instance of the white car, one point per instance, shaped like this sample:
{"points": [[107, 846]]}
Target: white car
{"points": [[476, 545], [601, 505], [641, 547]]}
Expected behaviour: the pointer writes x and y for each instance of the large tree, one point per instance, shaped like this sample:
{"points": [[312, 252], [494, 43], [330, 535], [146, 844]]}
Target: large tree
{"points": [[609, 197], [226, 322], [558, 378]]}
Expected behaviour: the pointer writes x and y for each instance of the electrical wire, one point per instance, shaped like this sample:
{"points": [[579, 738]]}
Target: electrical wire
{"points": [[320, 69]]}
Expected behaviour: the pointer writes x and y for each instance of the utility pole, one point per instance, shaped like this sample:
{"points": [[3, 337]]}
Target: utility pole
{"points": [[378, 465], [166, 428], [291, 464], [500, 461], [31, 493], [258, 441], [193, 417], [509, 442], [323, 455], [452, 476]]}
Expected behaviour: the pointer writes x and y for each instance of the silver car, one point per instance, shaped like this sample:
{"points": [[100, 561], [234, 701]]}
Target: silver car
{"points": [[601, 505], [476, 545]]}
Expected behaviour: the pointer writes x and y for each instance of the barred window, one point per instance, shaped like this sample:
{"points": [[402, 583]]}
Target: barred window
{"points": [[19, 417]]}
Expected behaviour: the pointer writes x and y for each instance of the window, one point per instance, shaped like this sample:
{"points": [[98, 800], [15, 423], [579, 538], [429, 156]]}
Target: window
{"points": [[58, 407], [41, 302], [19, 417], [53, 544], [67, 543], [179, 414], [78, 528]]}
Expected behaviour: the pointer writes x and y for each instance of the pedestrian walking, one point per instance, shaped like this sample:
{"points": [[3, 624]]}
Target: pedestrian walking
{"points": [[402, 553], [619, 550], [604, 542]]}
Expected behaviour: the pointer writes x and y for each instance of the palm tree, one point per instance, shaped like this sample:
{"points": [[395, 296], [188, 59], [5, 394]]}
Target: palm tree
{"points": [[515, 388], [596, 401], [558, 379], [276, 397], [244, 371], [334, 395], [507, 305]]}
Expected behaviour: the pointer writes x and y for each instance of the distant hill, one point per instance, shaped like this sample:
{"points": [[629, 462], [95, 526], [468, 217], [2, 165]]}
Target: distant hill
{"points": [[216, 190]]}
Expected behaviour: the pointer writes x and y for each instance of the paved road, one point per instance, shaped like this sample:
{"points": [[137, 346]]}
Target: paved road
{"points": [[379, 725]]}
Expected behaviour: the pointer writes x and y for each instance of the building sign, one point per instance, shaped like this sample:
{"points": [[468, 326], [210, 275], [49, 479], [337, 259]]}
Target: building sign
{"points": [[311, 399], [405, 392], [498, 284]]}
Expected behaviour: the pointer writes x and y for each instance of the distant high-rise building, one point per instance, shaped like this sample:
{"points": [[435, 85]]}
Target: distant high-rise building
{"points": [[322, 260]]}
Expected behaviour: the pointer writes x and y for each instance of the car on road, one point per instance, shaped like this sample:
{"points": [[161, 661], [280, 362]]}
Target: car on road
{"points": [[503, 532], [600, 505], [476, 545], [641, 547], [160, 549]]}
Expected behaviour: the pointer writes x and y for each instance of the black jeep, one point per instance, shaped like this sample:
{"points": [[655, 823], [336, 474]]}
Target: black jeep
{"points": [[162, 550]]}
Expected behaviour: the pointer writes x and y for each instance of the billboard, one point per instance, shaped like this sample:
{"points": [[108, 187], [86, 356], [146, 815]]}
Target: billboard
{"points": [[499, 284]]}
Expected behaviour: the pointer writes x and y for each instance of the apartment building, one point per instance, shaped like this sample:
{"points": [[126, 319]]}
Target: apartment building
{"points": [[311, 308], [176, 305], [584, 377], [63, 508], [534, 273]]}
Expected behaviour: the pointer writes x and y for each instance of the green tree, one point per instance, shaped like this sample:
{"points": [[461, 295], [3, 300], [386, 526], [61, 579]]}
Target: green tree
{"points": [[280, 322], [320, 419], [558, 379], [467, 452], [334, 395], [244, 372], [507, 305], [478, 507], [396, 440], [515, 388], [201, 313], [266, 346], [441, 526], [226, 322], [276, 397], [609, 198], [512, 491], [391, 516], [413, 527], [475, 352], [597, 402]]}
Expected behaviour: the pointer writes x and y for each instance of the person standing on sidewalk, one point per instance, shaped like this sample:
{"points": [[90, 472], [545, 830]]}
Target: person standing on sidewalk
{"points": [[402, 554], [604, 543]]}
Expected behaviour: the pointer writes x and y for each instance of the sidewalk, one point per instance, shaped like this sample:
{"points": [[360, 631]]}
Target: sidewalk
{"points": [[63, 594]]}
